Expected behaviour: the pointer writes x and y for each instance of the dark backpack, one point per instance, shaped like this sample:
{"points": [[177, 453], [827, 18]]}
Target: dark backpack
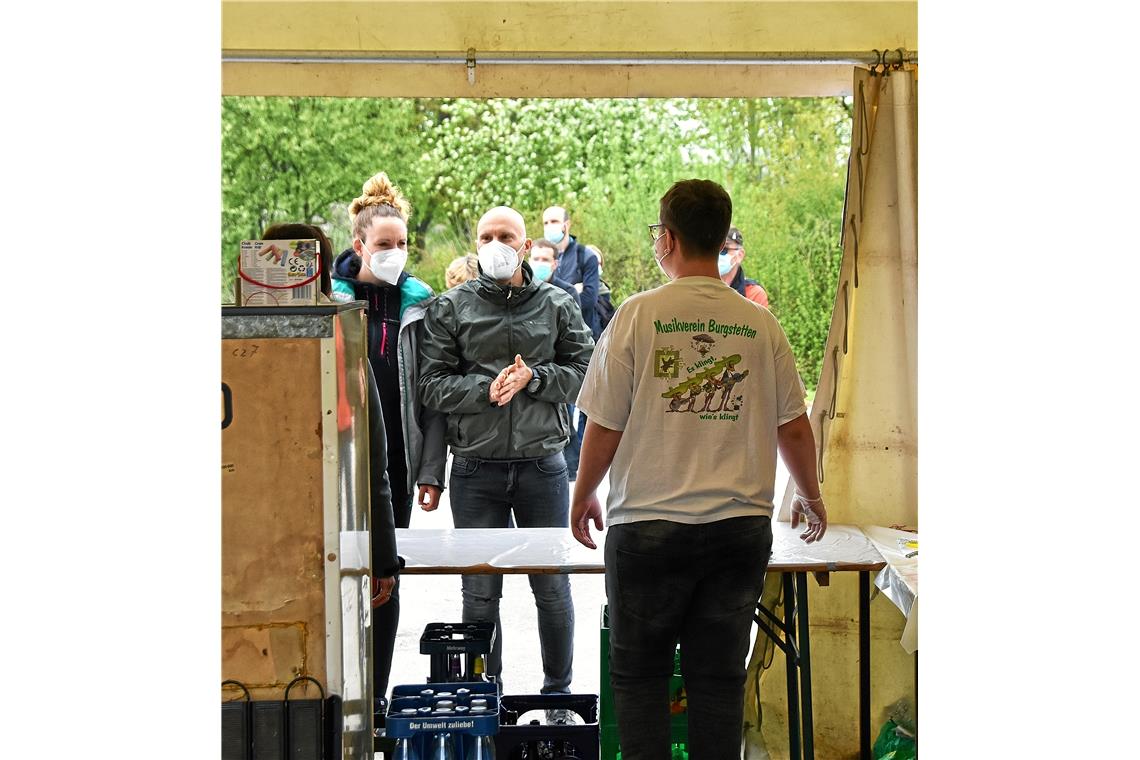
{"points": [[604, 309]]}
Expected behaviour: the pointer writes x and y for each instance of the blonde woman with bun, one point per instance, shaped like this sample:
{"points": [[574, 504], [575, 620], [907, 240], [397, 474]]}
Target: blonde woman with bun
{"points": [[373, 271]]}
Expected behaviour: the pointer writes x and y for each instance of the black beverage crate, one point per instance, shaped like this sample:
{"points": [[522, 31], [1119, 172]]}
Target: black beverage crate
{"points": [[453, 648], [544, 741]]}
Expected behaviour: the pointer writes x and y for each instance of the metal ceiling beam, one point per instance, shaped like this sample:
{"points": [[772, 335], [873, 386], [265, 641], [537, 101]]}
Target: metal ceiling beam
{"points": [[596, 48]]}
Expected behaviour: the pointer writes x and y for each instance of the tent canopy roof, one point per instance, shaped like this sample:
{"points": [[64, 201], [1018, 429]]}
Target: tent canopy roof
{"points": [[599, 48]]}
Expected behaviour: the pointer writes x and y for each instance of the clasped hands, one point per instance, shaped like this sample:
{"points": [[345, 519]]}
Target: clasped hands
{"points": [[510, 381]]}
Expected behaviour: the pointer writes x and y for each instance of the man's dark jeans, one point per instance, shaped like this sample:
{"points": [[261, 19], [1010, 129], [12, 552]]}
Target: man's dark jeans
{"points": [[484, 493], [666, 583]]}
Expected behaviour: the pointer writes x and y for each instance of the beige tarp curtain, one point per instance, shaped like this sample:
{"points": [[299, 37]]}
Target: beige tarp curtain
{"points": [[865, 422]]}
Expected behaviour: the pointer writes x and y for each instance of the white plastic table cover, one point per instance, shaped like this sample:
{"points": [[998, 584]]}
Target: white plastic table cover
{"points": [[554, 550], [899, 579]]}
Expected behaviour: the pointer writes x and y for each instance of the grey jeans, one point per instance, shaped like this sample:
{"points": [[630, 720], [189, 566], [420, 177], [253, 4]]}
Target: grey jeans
{"points": [[484, 494], [698, 585]]}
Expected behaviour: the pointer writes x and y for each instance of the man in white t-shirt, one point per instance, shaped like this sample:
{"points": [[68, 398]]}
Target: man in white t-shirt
{"points": [[689, 395]]}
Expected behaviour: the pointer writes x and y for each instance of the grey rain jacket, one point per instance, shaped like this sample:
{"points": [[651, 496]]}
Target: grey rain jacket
{"points": [[471, 333], [424, 445]]}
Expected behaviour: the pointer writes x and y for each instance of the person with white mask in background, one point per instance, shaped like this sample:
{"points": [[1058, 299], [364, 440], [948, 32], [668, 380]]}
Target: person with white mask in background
{"points": [[372, 270], [501, 357]]}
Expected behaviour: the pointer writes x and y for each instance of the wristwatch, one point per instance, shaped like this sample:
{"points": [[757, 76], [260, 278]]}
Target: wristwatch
{"points": [[535, 384]]}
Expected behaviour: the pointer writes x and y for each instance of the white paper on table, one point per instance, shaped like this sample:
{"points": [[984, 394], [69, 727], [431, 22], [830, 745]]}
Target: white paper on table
{"points": [[899, 579]]}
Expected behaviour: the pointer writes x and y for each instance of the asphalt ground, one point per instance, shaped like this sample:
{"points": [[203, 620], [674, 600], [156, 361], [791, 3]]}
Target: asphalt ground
{"points": [[436, 599]]}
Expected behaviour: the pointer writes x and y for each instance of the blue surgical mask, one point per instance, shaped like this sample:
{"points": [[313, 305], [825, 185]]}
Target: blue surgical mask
{"points": [[724, 264], [542, 270], [554, 233]]}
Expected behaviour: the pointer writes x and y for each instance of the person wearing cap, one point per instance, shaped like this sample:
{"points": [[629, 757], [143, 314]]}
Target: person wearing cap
{"points": [[733, 274]]}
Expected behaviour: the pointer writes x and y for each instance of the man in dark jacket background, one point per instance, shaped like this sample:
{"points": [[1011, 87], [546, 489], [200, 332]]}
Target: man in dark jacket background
{"points": [[576, 265], [501, 356], [579, 267]]}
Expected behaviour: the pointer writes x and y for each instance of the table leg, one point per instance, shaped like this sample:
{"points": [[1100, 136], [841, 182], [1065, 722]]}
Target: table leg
{"points": [[865, 665], [790, 652], [805, 666], [916, 705]]}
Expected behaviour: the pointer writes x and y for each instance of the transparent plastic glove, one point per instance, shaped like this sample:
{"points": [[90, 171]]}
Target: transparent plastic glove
{"points": [[814, 514]]}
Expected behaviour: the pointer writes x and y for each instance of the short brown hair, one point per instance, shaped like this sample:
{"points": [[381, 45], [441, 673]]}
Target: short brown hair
{"points": [[698, 211], [544, 243]]}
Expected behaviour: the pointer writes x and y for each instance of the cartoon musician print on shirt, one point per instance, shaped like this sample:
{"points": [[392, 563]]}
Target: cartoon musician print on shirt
{"points": [[710, 386]]}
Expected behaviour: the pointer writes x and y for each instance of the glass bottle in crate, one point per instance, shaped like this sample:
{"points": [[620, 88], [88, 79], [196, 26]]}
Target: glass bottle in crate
{"points": [[405, 749], [441, 746], [480, 748]]}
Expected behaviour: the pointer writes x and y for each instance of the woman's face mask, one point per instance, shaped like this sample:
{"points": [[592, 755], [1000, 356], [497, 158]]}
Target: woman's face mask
{"points": [[499, 260], [388, 264]]}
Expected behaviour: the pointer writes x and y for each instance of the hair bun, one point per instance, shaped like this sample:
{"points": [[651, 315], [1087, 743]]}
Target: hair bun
{"points": [[379, 191]]}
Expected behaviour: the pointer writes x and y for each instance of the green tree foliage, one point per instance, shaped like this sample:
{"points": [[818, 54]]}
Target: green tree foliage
{"points": [[304, 160], [607, 161]]}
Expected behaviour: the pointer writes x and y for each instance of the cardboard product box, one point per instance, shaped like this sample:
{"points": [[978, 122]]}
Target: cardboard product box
{"points": [[279, 273]]}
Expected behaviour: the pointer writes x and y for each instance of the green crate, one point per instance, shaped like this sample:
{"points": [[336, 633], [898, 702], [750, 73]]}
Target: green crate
{"points": [[678, 751], [607, 721]]}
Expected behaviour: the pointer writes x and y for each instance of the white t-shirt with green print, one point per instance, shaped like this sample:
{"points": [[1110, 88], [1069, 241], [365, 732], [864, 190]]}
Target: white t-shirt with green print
{"points": [[698, 378]]}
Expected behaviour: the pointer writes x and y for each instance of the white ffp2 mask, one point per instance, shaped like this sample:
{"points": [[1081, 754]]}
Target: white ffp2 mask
{"points": [[387, 265], [499, 260]]}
